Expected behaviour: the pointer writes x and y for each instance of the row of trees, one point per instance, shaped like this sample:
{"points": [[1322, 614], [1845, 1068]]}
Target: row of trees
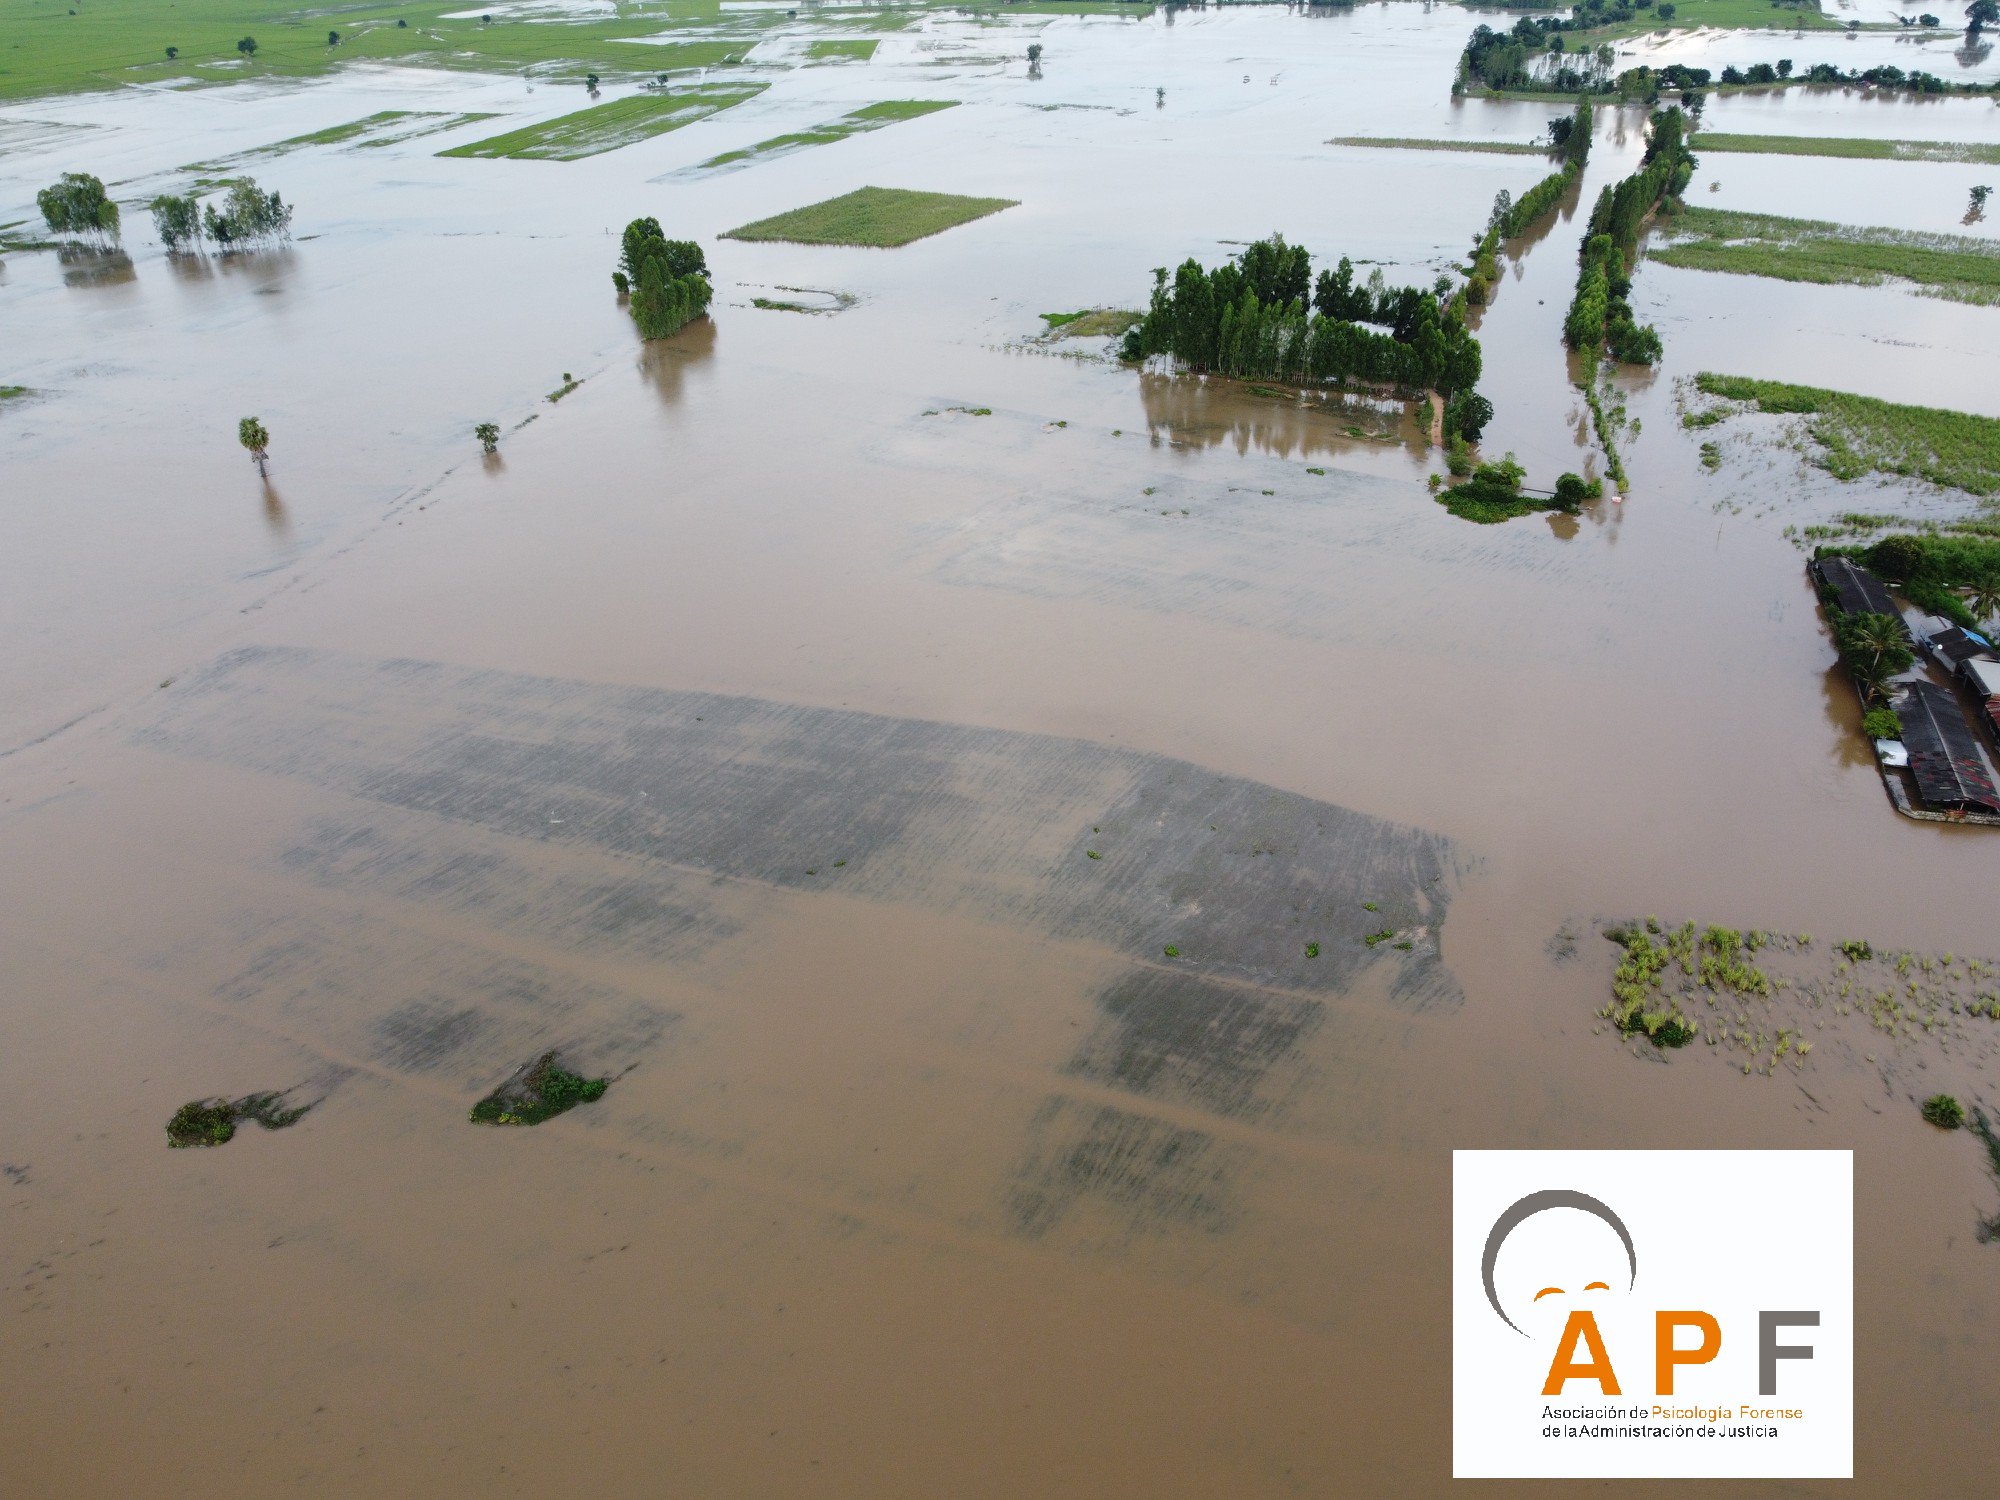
{"points": [[1251, 317], [77, 205], [1599, 316], [1512, 217], [248, 216], [666, 280]]}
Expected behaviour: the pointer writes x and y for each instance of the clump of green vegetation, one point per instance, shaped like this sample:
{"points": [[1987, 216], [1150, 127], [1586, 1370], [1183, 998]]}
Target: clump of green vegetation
{"points": [[608, 126], [1100, 322], [568, 384], [1171, 951], [488, 434], [1312, 950], [1852, 147], [668, 278], [1859, 435], [881, 217], [1855, 950], [1881, 724], [1943, 1111], [1492, 493], [1711, 456], [1371, 906], [212, 1122], [537, 1092], [1379, 937], [1958, 267], [1935, 568]]}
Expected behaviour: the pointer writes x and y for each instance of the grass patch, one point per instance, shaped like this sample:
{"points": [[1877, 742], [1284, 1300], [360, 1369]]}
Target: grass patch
{"points": [[612, 125], [9, 392], [1413, 143], [855, 122], [883, 217], [1100, 322], [1850, 147], [1859, 435], [843, 49], [1957, 267], [212, 1122], [540, 1091], [1943, 1111]]}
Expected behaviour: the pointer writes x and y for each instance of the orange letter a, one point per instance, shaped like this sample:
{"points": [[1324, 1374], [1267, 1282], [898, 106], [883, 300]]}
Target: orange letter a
{"points": [[1564, 1368], [1666, 1356]]}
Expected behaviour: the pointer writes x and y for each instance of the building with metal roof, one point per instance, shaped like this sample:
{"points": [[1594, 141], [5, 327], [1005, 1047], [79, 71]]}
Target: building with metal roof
{"points": [[1856, 590], [1950, 768]]}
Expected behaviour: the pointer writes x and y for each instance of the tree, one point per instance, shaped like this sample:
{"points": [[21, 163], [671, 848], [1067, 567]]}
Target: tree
{"points": [[248, 216], [172, 53], [1980, 14], [1875, 648], [247, 46], [77, 205], [1034, 52], [1983, 597], [177, 221], [333, 39], [668, 279], [590, 82], [488, 434], [256, 440]]}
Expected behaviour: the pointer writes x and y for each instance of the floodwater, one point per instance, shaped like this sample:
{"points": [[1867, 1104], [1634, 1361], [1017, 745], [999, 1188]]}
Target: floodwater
{"points": [[745, 730]]}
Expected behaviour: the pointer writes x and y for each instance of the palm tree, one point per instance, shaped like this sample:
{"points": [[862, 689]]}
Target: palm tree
{"points": [[1984, 597], [1876, 650], [252, 434]]}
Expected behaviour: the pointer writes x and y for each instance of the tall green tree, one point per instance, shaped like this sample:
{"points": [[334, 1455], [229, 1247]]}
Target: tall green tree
{"points": [[177, 221], [77, 204], [256, 441]]}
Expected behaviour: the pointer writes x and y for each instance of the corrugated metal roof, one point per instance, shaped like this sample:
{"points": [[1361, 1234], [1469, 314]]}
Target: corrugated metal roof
{"points": [[1858, 591], [1984, 675], [1945, 758]]}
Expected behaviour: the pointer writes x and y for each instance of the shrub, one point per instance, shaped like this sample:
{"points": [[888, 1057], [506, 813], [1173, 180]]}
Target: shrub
{"points": [[1943, 1111], [1881, 724]]}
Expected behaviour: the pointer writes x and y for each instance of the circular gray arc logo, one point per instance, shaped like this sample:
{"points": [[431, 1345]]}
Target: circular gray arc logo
{"points": [[1534, 1203]]}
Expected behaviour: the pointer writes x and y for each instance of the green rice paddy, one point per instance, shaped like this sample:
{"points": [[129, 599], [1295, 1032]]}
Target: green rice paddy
{"points": [[385, 128], [884, 217], [1850, 147], [843, 49], [1859, 435], [1957, 267], [609, 126]]}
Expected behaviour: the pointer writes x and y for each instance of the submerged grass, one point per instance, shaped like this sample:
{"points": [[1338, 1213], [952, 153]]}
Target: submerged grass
{"points": [[611, 125], [1859, 435], [1414, 143], [212, 1122], [1099, 322], [855, 122], [1852, 147], [882, 217], [843, 49], [1958, 267], [384, 128], [540, 1091]]}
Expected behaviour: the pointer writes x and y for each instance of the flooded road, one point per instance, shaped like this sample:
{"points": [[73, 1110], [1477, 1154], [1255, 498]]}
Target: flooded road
{"points": [[959, 836]]}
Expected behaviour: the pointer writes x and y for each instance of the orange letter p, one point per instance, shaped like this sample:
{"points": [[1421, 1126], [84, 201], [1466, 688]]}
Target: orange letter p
{"points": [[1666, 1356]]}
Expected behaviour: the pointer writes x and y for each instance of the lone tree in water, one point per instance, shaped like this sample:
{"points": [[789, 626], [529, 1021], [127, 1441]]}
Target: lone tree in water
{"points": [[488, 434], [177, 221], [1034, 52], [77, 205], [669, 279], [256, 441]]}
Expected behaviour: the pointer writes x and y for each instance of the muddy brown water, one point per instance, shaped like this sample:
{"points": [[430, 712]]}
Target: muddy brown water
{"points": [[744, 730]]}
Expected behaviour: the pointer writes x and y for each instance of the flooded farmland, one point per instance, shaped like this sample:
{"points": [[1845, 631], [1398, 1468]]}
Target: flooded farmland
{"points": [[1051, 857]]}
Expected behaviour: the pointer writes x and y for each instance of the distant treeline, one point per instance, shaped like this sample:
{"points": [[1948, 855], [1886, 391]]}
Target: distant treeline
{"points": [[667, 280], [1263, 315], [1532, 57], [1599, 315]]}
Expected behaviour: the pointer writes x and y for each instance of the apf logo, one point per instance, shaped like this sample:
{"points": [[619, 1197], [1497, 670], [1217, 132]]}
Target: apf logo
{"points": [[1726, 1351]]}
